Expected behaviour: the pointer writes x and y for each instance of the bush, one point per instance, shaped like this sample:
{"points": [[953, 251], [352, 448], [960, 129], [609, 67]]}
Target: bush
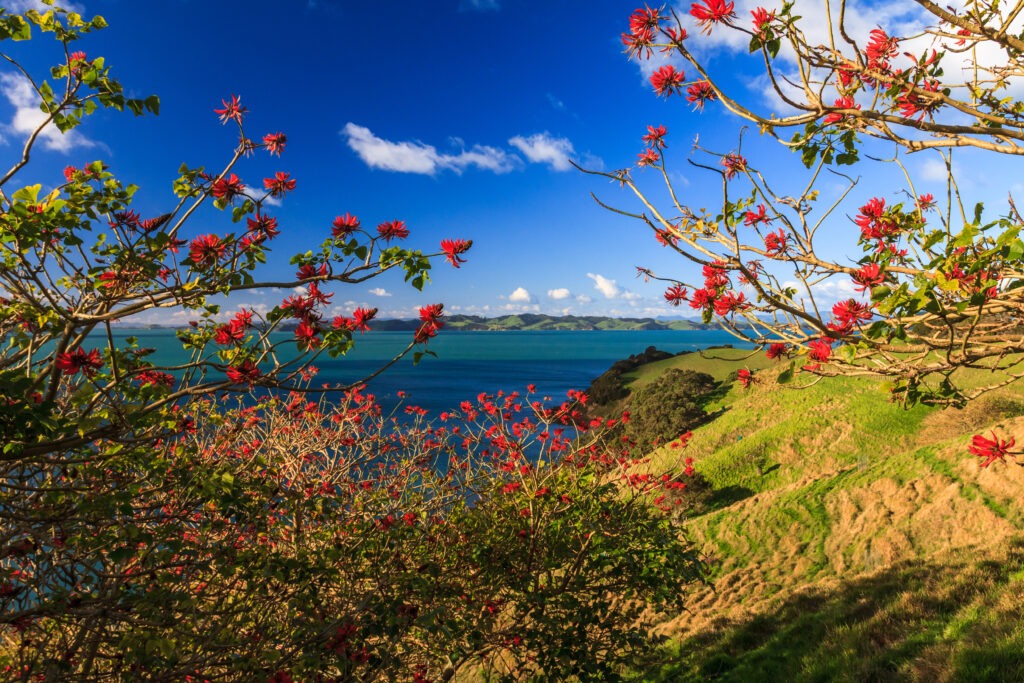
{"points": [[669, 406]]}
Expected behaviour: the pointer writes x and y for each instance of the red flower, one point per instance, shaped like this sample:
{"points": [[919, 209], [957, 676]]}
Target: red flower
{"points": [[393, 230], [991, 449], [879, 49], [820, 349], [306, 335], [649, 157], [730, 302], [734, 163], [265, 226], [702, 298], [840, 103], [751, 218], [274, 142], [206, 250], [453, 248], [745, 377], [924, 101], [656, 137], [311, 270], [851, 312], [926, 202], [667, 80], [245, 372], [775, 243], [79, 361], [343, 226], [154, 378], [227, 188], [360, 317], [675, 294], [711, 12], [430, 316], [232, 110], [230, 333], [762, 21], [279, 184], [868, 276], [776, 350], [700, 93]]}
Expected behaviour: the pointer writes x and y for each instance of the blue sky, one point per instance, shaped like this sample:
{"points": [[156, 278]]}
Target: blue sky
{"points": [[457, 116]]}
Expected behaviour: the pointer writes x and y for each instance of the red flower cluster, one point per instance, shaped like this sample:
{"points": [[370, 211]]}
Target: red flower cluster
{"points": [[206, 250], [924, 101], [667, 80], [232, 110], [343, 226], [879, 49], [734, 163], [656, 137], [841, 103], [777, 350], [870, 275], [762, 21], [430, 322], [274, 142], [712, 12], [393, 230], [227, 188], [752, 218], [246, 372], [73, 362], [675, 294], [848, 314], [453, 248], [649, 157], [820, 349], [745, 377], [700, 93], [234, 331], [990, 449], [775, 243], [358, 321], [640, 39], [279, 184]]}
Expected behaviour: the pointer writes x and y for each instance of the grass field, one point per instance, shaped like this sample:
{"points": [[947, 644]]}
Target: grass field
{"points": [[849, 539]]}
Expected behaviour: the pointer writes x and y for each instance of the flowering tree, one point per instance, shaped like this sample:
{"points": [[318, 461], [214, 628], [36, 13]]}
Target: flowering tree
{"points": [[153, 527], [940, 284]]}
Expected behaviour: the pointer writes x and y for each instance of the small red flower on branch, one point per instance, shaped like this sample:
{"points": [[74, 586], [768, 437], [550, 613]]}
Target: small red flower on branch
{"points": [[227, 188], [700, 93], [343, 226], [675, 294], [453, 248], [274, 142], [991, 449], [393, 230], [279, 184], [232, 110], [712, 12], [734, 163], [206, 250], [76, 361], [656, 137], [667, 80]]}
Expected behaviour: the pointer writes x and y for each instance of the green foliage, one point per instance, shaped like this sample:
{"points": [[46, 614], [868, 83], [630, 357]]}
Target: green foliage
{"points": [[669, 407]]}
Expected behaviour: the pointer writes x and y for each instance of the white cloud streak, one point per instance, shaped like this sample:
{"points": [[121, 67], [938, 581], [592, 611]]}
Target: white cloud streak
{"points": [[560, 293], [28, 117], [602, 284], [418, 157], [543, 148]]}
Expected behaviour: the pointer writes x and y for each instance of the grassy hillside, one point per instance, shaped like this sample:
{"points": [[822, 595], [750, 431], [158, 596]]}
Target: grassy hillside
{"points": [[850, 539]]}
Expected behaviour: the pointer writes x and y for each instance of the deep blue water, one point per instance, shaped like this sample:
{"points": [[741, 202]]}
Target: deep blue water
{"points": [[469, 363]]}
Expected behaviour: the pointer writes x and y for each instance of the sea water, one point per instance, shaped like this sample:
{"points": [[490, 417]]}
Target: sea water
{"points": [[470, 363]]}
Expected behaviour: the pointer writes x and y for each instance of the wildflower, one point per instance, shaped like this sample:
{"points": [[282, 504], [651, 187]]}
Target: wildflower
{"points": [[775, 243], [343, 226], [649, 157], [227, 188], [274, 142], [711, 12], [232, 110], [453, 248], [924, 100], [734, 163], [656, 137], [667, 80], [752, 218], [870, 275], [360, 318], [820, 349], [279, 184], [675, 294], [776, 350], [393, 230], [991, 449], [265, 226], [762, 21], [745, 377], [73, 362], [700, 93], [840, 103], [206, 250]]}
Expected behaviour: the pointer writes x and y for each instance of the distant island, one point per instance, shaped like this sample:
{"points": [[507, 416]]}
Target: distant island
{"points": [[522, 321], [540, 322]]}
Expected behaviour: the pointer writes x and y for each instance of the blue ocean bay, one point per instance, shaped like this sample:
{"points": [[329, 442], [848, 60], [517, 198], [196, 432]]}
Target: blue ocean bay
{"points": [[469, 363]]}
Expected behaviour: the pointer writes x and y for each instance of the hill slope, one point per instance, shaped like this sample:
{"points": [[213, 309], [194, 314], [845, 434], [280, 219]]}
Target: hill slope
{"points": [[850, 539]]}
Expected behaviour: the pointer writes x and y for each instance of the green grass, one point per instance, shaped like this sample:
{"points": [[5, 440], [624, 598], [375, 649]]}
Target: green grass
{"points": [[849, 539]]}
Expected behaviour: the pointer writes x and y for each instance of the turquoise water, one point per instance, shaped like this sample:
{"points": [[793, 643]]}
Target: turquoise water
{"points": [[469, 363]]}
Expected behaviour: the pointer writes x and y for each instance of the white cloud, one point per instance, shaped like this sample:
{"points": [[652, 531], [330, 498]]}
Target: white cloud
{"points": [[479, 5], [934, 169], [22, 6], [583, 299], [520, 296], [418, 157], [380, 291], [543, 148], [604, 285], [560, 293], [28, 117]]}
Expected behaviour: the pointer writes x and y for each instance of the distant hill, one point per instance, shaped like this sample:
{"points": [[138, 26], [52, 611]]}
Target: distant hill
{"points": [[537, 321]]}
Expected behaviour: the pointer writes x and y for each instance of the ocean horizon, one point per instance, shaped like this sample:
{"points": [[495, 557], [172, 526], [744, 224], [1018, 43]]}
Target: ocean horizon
{"points": [[467, 363]]}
